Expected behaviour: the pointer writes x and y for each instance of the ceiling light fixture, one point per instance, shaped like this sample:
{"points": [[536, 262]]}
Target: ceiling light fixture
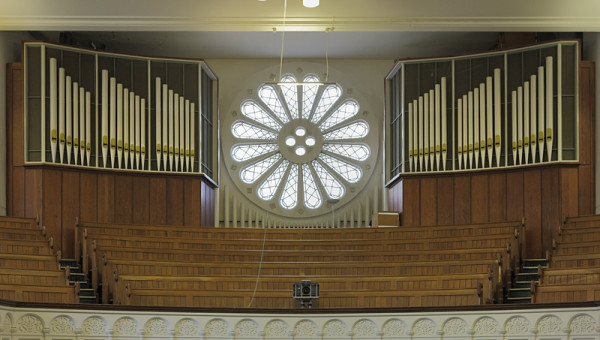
{"points": [[310, 3]]}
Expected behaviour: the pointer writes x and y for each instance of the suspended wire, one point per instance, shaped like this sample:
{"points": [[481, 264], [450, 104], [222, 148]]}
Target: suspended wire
{"points": [[282, 40], [262, 253]]}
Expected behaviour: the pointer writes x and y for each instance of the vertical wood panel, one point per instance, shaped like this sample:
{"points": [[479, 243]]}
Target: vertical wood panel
{"points": [[33, 193], [515, 204], [410, 213], [497, 198], [479, 198], [445, 200], [428, 201], [15, 189], [192, 203], [106, 198], [550, 206], [462, 199], [586, 112], [88, 193], [586, 189], [158, 200], [175, 201], [123, 199], [532, 194], [569, 203], [70, 210], [15, 198], [52, 204], [141, 200]]}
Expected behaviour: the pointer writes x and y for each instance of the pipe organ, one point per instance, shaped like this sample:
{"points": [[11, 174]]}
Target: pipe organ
{"points": [[489, 110], [102, 110]]}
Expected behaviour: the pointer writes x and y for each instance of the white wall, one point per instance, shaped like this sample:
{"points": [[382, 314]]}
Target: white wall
{"points": [[591, 51], [10, 51], [362, 79]]}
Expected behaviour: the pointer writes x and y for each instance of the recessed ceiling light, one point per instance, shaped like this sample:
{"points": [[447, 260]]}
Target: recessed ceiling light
{"points": [[310, 3]]}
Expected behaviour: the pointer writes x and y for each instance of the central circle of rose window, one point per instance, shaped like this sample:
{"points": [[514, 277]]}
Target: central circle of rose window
{"points": [[301, 145]]}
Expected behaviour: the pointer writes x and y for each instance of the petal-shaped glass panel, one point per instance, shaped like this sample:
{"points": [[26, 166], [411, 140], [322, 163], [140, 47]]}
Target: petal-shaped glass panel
{"points": [[253, 111], [349, 172], [290, 93], [312, 196], [332, 186], [309, 94], [289, 196], [250, 173], [359, 152], [244, 152], [268, 188], [351, 131], [330, 95], [269, 96], [348, 109], [248, 131]]}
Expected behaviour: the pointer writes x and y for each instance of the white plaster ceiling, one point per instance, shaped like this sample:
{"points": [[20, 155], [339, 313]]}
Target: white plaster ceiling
{"points": [[252, 29]]}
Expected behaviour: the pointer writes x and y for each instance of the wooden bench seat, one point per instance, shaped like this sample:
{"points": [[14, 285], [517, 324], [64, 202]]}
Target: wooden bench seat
{"points": [[283, 299], [575, 261], [588, 275], [33, 247], [284, 283], [573, 248], [34, 262], [586, 221], [551, 293], [38, 293], [33, 277]]}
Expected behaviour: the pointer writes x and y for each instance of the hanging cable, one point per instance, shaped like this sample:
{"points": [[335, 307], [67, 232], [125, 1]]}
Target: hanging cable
{"points": [[282, 40], [262, 253]]}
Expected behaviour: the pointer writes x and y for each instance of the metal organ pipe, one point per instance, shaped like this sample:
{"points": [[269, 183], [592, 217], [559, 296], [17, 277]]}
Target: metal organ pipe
{"points": [[53, 109]]}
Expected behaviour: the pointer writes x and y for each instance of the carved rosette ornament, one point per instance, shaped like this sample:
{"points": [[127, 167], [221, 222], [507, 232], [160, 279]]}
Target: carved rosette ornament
{"points": [[485, 326], [217, 327], [62, 325], [276, 329], [549, 324], [187, 327], [93, 326], [334, 328], [29, 324], [156, 327], [394, 328], [364, 328], [454, 327], [125, 327], [246, 328], [517, 325], [583, 324], [7, 323], [424, 327], [305, 328]]}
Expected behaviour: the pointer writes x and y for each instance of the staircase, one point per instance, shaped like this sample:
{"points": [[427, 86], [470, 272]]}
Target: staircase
{"points": [[86, 294], [520, 291]]}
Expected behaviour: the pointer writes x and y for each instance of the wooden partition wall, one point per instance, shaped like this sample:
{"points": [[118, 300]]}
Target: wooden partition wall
{"points": [[544, 194], [60, 190]]}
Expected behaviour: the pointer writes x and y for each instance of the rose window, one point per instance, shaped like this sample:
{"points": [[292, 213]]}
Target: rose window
{"points": [[300, 145]]}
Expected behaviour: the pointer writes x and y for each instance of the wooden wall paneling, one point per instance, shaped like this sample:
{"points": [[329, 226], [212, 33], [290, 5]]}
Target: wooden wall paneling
{"points": [[191, 202], [210, 211], [569, 195], [52, 204], [586, 194], [532, 200], [515, 196], [33, 193], [124, 198], [395, 194], [106, 198], [462, 199], [445, 200], [70, 210], [174, 201], [203, 202], [15, 195], [497, 197], [141, 199], [550, 205], [158, 200], [88, 194], [411, 199], [428, 196], [480, 196]]}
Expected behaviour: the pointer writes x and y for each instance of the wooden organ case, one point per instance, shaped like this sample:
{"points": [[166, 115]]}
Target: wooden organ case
{"points": [[104, 137], [492, 137]]}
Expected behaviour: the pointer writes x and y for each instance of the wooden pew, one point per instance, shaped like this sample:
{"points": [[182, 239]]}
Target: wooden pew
{"points": [[38, 293], [551, 293]]}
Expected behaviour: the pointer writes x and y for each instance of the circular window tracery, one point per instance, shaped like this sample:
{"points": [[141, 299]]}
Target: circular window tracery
{"points": [[301, 145]]}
